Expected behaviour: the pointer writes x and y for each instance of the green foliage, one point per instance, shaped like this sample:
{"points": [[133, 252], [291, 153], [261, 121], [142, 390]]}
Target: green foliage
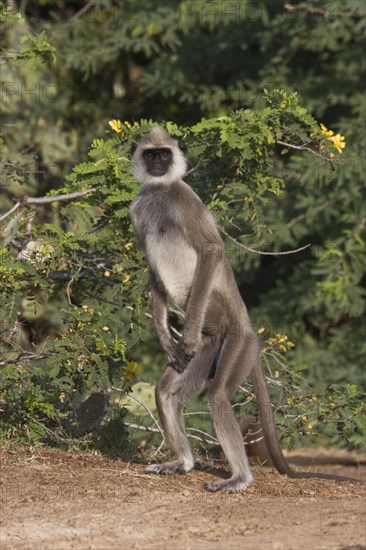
{"points": [[37, 48], [72, 278]]}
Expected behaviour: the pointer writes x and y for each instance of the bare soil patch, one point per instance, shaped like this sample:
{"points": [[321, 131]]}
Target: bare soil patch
{"points": [[57, 500]]}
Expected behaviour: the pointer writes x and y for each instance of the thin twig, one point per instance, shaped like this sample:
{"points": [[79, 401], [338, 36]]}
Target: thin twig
{"points": [[51, 432], [15, 207], [305, 148], [154, 430], [191, 170], [141, 427], [236, 226], [208, 438], [158, 450], [83, 10], [146, 409], [261, 252], [254, 440], [301, 217], [264, 358], [28, 230], [285, 367], [69, 287]]}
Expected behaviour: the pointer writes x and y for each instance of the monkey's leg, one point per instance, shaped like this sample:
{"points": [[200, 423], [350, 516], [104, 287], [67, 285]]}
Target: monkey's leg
{"points": [[172, 392], [237, 358]]}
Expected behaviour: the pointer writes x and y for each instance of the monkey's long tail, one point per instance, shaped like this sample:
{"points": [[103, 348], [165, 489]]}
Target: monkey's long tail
{"points": [[269, 430]]}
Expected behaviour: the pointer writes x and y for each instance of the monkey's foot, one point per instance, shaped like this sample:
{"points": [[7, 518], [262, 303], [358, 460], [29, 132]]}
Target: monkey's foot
{"points": [[168, 468], [232, 485]]}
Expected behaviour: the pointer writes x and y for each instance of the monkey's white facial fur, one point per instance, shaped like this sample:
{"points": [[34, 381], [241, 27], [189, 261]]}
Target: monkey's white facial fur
{"points": [[158, 159]]}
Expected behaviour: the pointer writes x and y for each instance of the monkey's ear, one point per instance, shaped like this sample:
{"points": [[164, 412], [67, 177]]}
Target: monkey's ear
{"points": [[133, 148], [182, 146]]}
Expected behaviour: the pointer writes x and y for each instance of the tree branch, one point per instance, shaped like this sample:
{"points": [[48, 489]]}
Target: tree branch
{"points": [[24, 201], [25, 356], [321, 11]]}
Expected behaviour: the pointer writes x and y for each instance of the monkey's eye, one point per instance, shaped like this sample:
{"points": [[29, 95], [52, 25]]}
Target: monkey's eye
{"points": [[148, 155], [165, 155]]}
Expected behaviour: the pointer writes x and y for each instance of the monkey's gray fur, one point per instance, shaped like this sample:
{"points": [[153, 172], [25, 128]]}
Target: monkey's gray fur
{"points": [[218, 349]]}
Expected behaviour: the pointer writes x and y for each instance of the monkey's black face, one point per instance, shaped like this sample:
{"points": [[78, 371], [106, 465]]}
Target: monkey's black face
{"points": [[158, 161]]}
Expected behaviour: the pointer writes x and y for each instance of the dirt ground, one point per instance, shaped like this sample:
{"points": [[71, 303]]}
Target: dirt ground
{"points": [[57, 500]]}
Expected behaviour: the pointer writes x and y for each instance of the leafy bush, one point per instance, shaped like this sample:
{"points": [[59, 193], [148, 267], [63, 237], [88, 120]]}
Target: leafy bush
{"points": [[73, 281]]}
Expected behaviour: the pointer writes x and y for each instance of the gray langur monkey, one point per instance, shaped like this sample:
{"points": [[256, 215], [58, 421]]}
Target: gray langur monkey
{"points": [[218, 349]]}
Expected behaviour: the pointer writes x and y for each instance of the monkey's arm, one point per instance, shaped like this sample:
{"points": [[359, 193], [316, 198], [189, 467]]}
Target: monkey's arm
{"points": [[197, 306], [160, 317], [209, 248]]}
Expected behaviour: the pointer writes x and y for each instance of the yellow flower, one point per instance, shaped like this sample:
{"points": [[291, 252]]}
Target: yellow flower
{"points": [[338, 142], [128, 246], [126, 279], [281, 341], [107, 274], [325, 131], [116, 125], [261, 330], [106, 329], [219, 186], [62, 397], [131, 369]]}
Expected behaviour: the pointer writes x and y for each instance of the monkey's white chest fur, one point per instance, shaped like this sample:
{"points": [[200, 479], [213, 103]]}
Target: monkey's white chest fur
{"points": [[156, 216], [175, 262]]}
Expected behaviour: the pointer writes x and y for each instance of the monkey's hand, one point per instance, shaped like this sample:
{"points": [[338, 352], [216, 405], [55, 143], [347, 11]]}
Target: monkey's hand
{"points": [[190, 341], [177, 364], [184, 352], [174, 360], [189, 349]]}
